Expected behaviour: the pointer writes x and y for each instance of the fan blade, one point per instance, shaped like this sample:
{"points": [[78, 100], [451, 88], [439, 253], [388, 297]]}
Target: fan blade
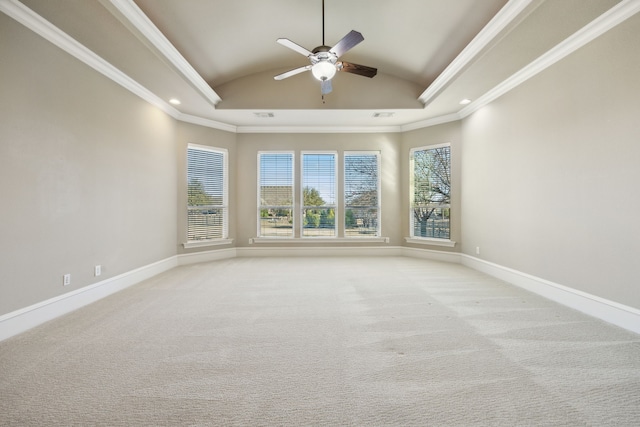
{"points": [[326, 86], [292, 72], [347, 42], [361, 70], [291, 45]]}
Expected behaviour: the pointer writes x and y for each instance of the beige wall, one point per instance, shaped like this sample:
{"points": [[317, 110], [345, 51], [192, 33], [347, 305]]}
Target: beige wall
{"points": [[246, 173], [544, 179], [551, 172], [449, 133], [261, 91], [87, 173]]}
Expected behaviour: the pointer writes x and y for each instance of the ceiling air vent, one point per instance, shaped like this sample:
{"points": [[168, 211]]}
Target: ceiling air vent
{"points": [[264, 115]]}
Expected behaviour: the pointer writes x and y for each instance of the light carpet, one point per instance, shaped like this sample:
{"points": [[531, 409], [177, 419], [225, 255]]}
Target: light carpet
{"points": [[322, 341]]}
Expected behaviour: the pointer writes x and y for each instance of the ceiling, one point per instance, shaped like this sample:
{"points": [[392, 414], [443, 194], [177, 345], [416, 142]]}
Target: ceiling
{"points": [[218, 57]]}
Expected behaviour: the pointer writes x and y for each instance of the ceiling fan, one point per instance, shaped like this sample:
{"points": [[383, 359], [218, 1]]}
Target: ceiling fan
{"points": [[324, 59]]}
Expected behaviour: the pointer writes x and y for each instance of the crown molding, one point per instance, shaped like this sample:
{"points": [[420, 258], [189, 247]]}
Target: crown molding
{"points": [[187, 118], [504, 17], [319, 129], [143, 24], [53, 34], [605, 22], [431, 122]]}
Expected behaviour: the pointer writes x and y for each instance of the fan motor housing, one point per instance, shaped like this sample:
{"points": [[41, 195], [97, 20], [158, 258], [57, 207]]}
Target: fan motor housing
{"points": [[323, 53]]}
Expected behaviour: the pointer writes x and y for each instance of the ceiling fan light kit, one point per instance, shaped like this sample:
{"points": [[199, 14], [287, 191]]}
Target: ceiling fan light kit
{"points": [[324, 59], [323, 70]]}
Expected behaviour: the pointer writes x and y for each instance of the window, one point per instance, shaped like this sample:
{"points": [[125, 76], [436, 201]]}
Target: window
{"points": [[361, 194], [207, 194], [430, 169], [275, 194], [318, 194]]}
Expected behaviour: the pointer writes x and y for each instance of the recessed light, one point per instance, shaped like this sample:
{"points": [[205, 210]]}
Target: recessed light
{"points": [[175, 101], [465, 101], [264, 114], [383, 114]]}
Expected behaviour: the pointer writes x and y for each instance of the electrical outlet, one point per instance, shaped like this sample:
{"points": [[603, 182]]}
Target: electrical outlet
{"points": [[97, 270], [66, 279], [477, 250]]}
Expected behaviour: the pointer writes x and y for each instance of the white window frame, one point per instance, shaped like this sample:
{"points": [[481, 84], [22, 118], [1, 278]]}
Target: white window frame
{"points": [[293, 202], [225, 198], [335, 190], [378, 191], [419, 239]]}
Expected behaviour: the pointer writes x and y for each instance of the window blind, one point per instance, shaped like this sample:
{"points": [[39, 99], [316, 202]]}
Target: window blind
{"points": [[361, 194], [318, 194], [207, 205], [275, 194]]}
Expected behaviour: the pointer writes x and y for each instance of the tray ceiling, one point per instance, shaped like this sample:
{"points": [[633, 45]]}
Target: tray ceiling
{"points": [[219, 57]]}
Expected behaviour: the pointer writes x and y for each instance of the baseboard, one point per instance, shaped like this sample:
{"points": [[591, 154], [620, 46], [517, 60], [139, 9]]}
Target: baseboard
{"points": [[434, 255], [206, 256], [319, 251], [26, 318], [610, 311]]}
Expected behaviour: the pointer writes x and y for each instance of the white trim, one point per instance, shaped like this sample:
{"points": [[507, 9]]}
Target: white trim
{"points": [[428, 147], [59, 38], [208, 148], [378, 155], [305, 240], [260, 153], [225, 193], [610, 311], [213, 124], [430, 241], [205, 243], [142, 23], [206, 256], [434, 255], [319, 129], [29, 317], [325, 251], [53, 34], [412, 238], [302, 186], [499, 22], [605, 22], [431, 122]]}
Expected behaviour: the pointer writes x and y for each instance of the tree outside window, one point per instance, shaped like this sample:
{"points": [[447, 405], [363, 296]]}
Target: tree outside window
{"points": [[318, 194], [431, 192]]}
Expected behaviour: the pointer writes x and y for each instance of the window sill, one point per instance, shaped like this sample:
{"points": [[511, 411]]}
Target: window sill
{"points": [[205, 243], [430, 241], [256, 240]]}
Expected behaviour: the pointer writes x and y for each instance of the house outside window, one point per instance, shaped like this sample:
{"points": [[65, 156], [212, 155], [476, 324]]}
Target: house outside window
{"points": [[275, 194], [430, 169], [318, 196], [362, 194], [207, 193]]}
